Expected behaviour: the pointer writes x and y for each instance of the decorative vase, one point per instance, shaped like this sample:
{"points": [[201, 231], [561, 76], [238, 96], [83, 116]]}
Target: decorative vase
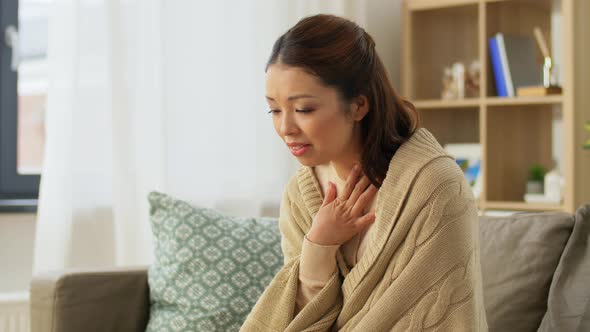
{"points": [[552, 188], [534, 187]]}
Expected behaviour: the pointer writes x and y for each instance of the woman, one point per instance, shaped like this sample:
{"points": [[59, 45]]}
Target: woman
{"points": [[389, 245]]}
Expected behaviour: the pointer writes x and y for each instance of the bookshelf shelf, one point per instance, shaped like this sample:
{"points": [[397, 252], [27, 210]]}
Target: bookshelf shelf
{"points": [[429, 4], [437, 103], [513, 132], [522, 206], [491, 101], [498, 101]]}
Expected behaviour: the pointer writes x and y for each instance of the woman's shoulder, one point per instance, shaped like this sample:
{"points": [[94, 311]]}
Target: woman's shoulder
{"points": [[441, 169], [423, 161], [440, 184], [423, 172]]}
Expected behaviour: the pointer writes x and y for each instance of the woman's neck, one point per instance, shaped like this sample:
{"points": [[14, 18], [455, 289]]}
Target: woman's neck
{"points": [[343, 165]]}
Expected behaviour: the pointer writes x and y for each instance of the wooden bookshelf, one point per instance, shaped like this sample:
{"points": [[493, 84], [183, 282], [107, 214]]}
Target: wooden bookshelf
{"points": [[557, 99], [522, 206], [513, 132], [437, 103]]}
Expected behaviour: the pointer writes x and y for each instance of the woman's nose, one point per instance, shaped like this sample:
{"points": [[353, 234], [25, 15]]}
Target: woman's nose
{"points": [[287, 126]]}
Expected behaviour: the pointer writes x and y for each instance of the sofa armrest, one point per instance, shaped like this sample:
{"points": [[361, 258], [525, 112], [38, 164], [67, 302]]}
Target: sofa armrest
{"points": [[114, 299]]}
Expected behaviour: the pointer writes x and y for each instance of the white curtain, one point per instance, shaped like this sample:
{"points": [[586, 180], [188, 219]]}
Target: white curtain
{"points": [[104, 143], [162, 95]]}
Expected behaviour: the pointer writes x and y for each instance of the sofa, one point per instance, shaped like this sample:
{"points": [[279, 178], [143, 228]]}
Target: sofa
{"points": [[535, 269]]}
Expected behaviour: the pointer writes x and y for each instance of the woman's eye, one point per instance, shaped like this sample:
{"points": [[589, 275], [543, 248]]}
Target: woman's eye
{"points": [[297, 110]]}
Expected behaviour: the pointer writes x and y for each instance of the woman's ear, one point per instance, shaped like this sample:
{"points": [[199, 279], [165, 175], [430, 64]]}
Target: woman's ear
{"points": [[360, 107]]}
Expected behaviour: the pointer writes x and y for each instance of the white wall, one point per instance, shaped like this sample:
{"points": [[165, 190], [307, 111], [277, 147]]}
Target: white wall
{"points": [[17, 233], [384, 25]]}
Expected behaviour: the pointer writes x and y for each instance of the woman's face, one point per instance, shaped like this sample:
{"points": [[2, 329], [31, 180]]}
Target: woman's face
{"points": [[304, 111]]}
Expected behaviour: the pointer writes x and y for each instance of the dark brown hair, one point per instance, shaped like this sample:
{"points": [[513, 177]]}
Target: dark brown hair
{"points": [[343, 56]]}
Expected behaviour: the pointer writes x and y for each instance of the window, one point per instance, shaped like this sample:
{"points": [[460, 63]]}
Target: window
{"points": [[23, 90]]}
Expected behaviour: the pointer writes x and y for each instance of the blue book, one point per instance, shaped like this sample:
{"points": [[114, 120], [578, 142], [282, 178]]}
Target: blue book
{"points": [[514, 63], [500, 40], [497, 67]]}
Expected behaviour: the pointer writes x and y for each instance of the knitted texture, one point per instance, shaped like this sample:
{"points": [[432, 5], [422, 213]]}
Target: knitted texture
{"points": [[420, 271]]}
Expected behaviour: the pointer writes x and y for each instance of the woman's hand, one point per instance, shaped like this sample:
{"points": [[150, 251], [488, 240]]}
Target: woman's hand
{"points": [[340, 218]]}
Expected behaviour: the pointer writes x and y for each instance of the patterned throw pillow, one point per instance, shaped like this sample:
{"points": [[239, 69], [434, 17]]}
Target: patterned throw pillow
{"points": [[209, 269]]}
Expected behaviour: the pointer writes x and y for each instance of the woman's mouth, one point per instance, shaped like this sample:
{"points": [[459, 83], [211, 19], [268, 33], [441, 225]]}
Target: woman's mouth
{"points": [[299, 150]]}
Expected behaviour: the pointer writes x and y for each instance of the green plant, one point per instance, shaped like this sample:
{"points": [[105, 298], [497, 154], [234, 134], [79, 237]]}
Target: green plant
{"points": [[537, 172]]}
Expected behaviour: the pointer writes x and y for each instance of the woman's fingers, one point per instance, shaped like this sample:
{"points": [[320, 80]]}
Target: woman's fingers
{"points": [[350, 183], [360, 187], [364, 221], [364, 199], [330, 194]]}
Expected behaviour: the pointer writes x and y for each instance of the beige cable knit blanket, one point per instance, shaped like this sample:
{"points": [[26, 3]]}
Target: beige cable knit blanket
{"points": [[421, 269]]}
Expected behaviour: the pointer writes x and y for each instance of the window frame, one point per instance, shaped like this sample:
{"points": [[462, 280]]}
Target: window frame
{"points": [[18, 193]]}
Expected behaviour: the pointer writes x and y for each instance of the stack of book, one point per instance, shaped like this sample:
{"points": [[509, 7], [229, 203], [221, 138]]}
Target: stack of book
{"points": [[514, 64]]}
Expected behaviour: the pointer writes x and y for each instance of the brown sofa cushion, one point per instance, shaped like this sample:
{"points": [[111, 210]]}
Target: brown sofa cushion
{"points": [[91, 300], [569, 295], [519, 255]]}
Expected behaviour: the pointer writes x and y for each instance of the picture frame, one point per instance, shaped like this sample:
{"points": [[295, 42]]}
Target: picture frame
{"points": [[468, 157]]}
